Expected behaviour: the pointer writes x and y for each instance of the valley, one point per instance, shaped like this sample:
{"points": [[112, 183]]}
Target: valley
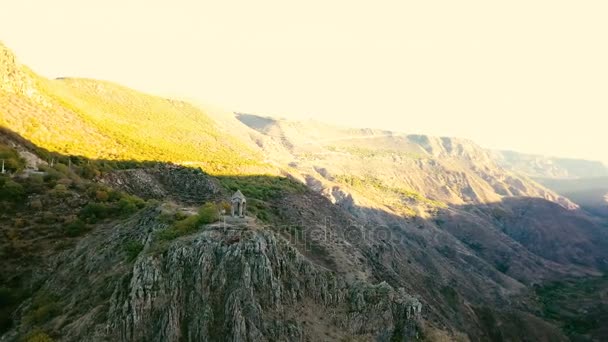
{"points": [[111, 227]]}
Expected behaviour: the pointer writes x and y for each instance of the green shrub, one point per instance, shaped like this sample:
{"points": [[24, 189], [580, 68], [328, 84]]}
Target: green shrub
{"points": [[180, 215], [88, 171], [187, 225], [262, 215], [262, 187], [101, 195], [115, 204], [133, 248], [34, 184], [38, 336], [10, 190], [62, 168], [44, 307], [12, 161], [130, 204], [208, 213], [76, 228], [60, 191], [51, 175], [93, 212]]}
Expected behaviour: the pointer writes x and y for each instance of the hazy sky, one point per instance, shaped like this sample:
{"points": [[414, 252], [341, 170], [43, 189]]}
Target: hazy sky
{"points": [[524, 75]]}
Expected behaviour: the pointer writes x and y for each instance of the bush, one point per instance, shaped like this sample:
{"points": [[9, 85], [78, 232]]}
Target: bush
{"points": [[225, 206], [93, 212], [60, 191], [208, 213], [133, 248], [130, 204], [76, 228], [10, 190], [62, 168], [101, 195], [38, 336], [88, 171], [12, 161], [118, 204], [34, 184], [44, 307], [187, 225], [51, 176]]}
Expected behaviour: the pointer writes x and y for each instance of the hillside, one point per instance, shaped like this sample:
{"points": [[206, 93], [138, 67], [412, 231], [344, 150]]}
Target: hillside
{"points": [[96, 119], [268, 277], [444, 170], [351, 234]]}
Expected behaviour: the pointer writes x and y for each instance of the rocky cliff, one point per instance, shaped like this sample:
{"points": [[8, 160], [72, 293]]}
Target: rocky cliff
{"points": [[227, 283]]}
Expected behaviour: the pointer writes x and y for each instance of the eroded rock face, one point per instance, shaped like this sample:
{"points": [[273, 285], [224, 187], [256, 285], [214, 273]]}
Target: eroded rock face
{"points": [[206, 289], [217, 285], [160, 182]]}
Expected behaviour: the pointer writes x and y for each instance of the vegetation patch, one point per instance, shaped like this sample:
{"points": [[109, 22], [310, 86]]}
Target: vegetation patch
{"points": [[398, 199], [38, 336], [363, 152], [104, 120], [45, 306], [208, 213], [580, 306], [132, 249], [263, 188], [116, 204]]}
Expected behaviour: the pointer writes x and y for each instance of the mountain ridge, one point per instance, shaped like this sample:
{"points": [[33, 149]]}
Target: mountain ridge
{"points": [[374, 218]]}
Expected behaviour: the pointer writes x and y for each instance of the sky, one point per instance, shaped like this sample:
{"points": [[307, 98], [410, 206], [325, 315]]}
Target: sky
{"points": [[530, 76]]}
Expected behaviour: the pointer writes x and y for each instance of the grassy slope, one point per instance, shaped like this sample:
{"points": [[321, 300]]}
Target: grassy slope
{"points": [[97, 119]]}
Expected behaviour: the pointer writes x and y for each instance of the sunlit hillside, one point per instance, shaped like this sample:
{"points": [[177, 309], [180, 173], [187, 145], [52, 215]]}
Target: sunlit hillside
{"points": [[103, 120]]}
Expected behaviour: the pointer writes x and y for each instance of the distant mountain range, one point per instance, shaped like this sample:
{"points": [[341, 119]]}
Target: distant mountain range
{"points": [[536, 166], [351, 234], [583, 181]]}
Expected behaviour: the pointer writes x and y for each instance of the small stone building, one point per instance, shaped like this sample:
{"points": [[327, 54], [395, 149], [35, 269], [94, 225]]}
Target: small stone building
{"points": [[238, 204]]}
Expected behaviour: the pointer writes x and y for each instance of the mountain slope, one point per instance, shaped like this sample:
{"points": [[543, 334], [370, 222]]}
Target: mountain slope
{"points": [[84, 260], [98, 119], [383, 217], [449, 170]]}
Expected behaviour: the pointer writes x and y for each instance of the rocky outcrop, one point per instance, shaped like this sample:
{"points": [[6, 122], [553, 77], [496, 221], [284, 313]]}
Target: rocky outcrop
{"points": [[249, 291], [160, 182], [217, 285], [14, 78]]}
